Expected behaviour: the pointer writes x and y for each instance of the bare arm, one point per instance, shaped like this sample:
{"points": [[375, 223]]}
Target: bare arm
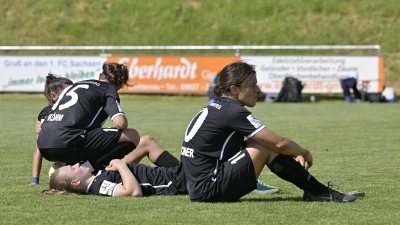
{"points": [[130, 186], [37, 158], [36, 165], [284, 146], [120, 122]]}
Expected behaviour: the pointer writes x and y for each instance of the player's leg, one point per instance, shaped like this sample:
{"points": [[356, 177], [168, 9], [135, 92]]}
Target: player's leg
{"points": [[149, 147], [346, 90], [234, 179], [287, 168], [100, 146], [155, 181], [130, 135], [102, 160]]}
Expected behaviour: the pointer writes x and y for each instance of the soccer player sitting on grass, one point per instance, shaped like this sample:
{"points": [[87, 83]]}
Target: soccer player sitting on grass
{"points": [[221, 165]]}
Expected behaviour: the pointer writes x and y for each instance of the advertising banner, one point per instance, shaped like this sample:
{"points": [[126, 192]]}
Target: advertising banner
{"points": [[171, 74], [28, 73], [320, 74], [191, 74]]}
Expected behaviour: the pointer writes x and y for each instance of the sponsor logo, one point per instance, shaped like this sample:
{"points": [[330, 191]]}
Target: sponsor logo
{"points": [[107, 188], [254, 121], [157, 71], [218, 106], [309, 176]]}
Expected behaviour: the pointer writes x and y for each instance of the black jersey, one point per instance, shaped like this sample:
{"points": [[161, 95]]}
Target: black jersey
{"points": [[213, 136], [81, 107], [45, 111], [152, 181]]}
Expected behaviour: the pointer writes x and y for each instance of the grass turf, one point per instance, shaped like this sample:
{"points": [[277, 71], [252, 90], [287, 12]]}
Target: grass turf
{"points": [[355, 145]]}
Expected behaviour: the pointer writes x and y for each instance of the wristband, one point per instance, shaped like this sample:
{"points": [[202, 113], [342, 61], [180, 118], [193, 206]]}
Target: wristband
{"points": [[35, 180]]}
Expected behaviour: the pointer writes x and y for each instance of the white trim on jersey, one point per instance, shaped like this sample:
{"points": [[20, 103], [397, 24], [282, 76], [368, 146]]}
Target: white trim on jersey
{"points": [[256, 131], [94, 118], [235, 155], [226, 142], [115, 189], [116, 115], [110, 129], [158, 186]]}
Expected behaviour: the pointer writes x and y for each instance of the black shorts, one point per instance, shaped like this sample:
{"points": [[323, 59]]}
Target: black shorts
{"points": [[156, 180], [235, 178], [95, 142]]}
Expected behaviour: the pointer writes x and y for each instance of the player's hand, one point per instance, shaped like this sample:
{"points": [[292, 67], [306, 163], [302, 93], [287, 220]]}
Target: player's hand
{"points": [[113, 166], [305, 161], [38, 127]]}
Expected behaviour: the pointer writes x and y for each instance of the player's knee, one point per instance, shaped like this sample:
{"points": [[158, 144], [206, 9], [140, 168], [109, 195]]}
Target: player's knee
{"points": [[146, 140], [132, 135]]}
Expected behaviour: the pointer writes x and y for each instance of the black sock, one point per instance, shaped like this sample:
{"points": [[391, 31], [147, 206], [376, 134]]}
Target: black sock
{"points": [[290, 170], [166, 160]]}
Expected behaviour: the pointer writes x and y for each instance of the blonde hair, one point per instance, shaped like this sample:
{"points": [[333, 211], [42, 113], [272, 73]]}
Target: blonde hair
{"points": [[60, 184]]}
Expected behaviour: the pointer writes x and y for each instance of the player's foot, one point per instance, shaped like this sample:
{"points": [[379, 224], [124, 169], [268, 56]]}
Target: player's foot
{"points": [[329, 196], [263, 189]]}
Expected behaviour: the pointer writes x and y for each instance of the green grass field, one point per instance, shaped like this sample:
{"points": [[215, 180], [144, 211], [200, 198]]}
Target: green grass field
{"points": [[354, 145]]}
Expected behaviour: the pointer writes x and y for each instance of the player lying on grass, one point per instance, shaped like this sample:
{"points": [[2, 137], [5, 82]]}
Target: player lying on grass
{"points": [[124, 177]]}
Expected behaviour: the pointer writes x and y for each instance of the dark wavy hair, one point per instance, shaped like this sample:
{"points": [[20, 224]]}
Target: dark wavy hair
{"points": [[117, 74], [233, 74]]}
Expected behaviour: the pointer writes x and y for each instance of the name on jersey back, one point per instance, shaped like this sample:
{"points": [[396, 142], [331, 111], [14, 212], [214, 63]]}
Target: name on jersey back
{"points": [[89, 82], [188, 152], [55, 117]]}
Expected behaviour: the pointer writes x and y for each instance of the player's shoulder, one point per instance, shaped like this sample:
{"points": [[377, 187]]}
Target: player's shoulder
{"points": [[44, 112], [47, 108], [231, 105]]}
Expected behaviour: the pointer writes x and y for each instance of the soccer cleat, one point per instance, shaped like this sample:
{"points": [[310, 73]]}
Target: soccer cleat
{"points": [[329, 196], [263, 189]]}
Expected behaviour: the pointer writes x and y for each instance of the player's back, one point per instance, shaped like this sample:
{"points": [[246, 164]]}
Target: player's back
{"points": [[80, 107]]}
